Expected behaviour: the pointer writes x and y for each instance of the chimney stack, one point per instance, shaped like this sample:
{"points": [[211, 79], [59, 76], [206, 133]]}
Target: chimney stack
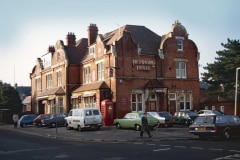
{"points": [[92, 34], [71, 39], [51, 49]]}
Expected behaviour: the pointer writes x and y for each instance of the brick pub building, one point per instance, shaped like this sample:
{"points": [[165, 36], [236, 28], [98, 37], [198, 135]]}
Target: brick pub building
{"points": [[131, 66]]}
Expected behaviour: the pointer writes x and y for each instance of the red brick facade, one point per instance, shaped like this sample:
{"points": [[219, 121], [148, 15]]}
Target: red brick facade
{"points": [[132, 66]]}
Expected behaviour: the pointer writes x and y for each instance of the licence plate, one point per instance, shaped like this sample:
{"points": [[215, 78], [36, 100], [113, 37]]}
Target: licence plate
{"points": [[200, 129]]}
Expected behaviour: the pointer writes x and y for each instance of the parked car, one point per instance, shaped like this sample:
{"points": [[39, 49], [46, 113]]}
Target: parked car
{"points": [[38, 120], [26, 120], [164, 118], [216, 125], [161, 120], [84, 118], [185, 117], [54, 120], [133, 120], [169, 119], [209, 112]]}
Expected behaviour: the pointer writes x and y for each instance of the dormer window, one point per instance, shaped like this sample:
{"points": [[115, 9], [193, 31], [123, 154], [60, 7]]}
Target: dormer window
{"points": [[91, 49], [180, 43]]}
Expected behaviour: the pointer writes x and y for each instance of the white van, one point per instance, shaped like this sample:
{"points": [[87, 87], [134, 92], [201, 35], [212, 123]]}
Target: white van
{"points": [[84, 118]]}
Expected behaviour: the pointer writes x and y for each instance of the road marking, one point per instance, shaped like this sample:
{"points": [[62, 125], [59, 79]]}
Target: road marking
{"points": [[234, 151], [180, 146], [197, 148], [137, 143], [151, 144], [235, 156], [62, 156], [164, 145], [216, 149], [163, 149], [25, 150]]}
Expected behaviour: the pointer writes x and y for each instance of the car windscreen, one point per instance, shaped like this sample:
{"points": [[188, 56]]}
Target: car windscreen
{"points": [[204, 119], [95, 112], [192, 113], [164, 114]]}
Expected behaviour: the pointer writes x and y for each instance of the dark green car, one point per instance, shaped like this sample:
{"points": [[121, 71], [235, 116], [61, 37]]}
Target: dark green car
{"points": [[133, 121]]}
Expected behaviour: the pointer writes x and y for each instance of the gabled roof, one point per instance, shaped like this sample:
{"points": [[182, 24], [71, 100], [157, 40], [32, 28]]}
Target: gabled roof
{"points": [[76, 54], [147, 40], [24, 90]]}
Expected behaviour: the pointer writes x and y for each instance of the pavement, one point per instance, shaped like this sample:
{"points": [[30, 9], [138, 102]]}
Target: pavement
{"points": [[106, 133]]}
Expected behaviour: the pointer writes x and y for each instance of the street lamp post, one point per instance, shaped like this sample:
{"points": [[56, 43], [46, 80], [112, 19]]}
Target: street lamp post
{"points": [[236, 91]]}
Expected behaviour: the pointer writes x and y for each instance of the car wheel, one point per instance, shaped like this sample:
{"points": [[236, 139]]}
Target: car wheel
{"points": [[79, 128], [186, 122], [118, 126], [39, 125], [53, 125], [24, 125], [226, 134], [137, 127], [67, 127], [97, 127]]}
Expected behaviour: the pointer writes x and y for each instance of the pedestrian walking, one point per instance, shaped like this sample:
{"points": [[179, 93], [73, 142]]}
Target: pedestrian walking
{"points": [[15, 120], [145, 126]]}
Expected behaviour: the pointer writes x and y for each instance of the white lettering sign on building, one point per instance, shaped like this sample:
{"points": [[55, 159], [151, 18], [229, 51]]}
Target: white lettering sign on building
{"points": [[143, 65]]}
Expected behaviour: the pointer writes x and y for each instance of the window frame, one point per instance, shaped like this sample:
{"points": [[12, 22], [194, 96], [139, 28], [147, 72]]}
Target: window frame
{"points": [[137, 102], [179, 43], [49, 81], [181, 69], [100, 71], [59, 78], [87, 74]]}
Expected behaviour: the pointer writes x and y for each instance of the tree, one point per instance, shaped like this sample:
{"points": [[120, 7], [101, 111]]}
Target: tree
{"points": [[221, 75], [9, 99]]}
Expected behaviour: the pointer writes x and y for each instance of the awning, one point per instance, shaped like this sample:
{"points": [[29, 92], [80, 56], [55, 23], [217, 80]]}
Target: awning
{"points": [[91, 87], [75, 96], [89, 95], [51, 97]]}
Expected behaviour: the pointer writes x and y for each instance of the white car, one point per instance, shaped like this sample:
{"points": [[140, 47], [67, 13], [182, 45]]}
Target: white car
{"points": [[209, 112], [161, 120], [84, 118]]}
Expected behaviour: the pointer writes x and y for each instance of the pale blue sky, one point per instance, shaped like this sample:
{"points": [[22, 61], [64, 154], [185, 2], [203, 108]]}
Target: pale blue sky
{"points": [[28, 27]]}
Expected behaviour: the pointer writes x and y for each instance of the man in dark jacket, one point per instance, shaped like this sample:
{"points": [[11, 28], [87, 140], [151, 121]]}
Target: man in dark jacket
{"points": [[145, 126]]}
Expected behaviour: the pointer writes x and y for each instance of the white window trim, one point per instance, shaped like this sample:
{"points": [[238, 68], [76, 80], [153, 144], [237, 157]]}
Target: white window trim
{"points": [[180, 38], [91, 50], [179, 71]]}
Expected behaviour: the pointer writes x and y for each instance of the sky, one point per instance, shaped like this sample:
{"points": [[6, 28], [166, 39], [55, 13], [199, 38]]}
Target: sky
{"points": [[29, 27]]}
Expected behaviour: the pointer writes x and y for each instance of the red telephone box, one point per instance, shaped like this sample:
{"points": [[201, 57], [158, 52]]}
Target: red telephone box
{"points": [[107, 110]]}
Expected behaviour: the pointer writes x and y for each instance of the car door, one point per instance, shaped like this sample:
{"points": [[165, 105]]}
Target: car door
{"points": [[126, 121], [134, 119], [88, 117], [61, 119], [233, 124]]}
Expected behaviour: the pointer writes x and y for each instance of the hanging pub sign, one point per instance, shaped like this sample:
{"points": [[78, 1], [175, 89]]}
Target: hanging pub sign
{"points": [[110, 72]]}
